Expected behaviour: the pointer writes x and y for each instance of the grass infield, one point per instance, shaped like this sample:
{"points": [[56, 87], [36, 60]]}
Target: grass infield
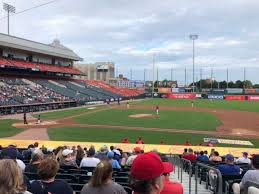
{"points": [[167, 119], [6, 128]]}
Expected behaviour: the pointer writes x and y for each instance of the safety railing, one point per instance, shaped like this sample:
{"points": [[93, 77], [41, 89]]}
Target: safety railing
{"points": [[216, 178]]}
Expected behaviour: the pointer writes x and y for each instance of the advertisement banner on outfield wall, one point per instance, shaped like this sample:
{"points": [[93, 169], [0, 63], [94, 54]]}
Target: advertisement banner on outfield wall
{"points": [[182, 96], [198, 96], [175, 90], [164, 90], [252, 97], [218, 97], [235, 97], [234, 91], [250, 91]]}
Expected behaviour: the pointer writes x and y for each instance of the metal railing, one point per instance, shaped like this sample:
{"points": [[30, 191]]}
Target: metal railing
{"points": [[217, 179]]}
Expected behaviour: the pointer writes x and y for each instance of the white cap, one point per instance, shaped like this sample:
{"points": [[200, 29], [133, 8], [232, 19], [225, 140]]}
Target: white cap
{"points": [[65, 152]]}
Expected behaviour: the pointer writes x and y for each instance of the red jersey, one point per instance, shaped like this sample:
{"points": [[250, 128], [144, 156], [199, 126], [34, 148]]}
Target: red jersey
{"points": [[190, 157], [125, 141], [171, 187], [139, 142], [157, 107]]}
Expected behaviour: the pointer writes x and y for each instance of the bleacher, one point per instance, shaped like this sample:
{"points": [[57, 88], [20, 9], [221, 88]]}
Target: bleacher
{"points": [[38, 66], [121, 91]]}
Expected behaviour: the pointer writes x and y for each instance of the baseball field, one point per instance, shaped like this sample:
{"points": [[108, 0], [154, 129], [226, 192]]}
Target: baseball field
{"points": [[176, 122]]}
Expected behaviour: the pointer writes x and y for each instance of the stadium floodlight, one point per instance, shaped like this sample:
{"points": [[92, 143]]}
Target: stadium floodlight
{"points": [[9, 9], [193, 37]]}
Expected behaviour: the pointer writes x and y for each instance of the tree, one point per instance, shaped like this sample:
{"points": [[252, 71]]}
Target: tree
{"points": [[248, 84]]}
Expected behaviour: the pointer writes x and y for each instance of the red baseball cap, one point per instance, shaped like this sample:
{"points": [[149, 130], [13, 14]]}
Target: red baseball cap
{"points": [[147, 166], [137, 149], [168, 167]]}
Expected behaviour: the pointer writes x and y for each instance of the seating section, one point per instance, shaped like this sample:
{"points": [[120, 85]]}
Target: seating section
{"points": [[38, 66], [14, 91], [121, 91]]}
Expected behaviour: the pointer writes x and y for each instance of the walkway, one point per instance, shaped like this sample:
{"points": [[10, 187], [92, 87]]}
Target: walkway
{"points": [[201, 188]]}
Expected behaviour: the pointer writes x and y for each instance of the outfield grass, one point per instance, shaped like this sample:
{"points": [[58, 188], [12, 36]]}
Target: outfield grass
{"points": [[167, 119], [6, 128], [63, 113], [252, 106], [116, 135]]}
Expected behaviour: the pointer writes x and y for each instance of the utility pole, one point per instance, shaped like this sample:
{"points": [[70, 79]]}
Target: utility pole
{"points": [[153, 85], [211, 77], [227, 78], [130, 74], [185, 77], [193, 37], [144, 75], [244, 85], [200, 79], [172, 73], [9, 9]]}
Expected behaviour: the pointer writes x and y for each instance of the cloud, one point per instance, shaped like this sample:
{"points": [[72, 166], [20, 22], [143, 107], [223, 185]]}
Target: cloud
{"points": [[129, 32]]}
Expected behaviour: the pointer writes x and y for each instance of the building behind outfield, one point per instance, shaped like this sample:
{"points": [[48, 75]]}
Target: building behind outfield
{"points": [[103, 71]]}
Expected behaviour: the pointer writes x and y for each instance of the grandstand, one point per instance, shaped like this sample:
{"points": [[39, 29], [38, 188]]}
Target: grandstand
{"points": [[36, 76]]}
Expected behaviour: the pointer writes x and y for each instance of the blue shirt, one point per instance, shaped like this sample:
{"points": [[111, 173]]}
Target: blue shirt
{"points": [[203, 158], [229, 169], [115, 164]]}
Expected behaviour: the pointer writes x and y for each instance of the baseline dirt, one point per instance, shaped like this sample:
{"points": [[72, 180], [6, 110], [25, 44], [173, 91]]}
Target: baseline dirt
{"points": [[241, 124]]}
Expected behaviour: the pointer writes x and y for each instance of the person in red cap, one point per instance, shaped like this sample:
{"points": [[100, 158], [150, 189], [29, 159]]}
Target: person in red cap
{"points": [[169, 186], [125, 140], [146, 174], [136, 152], [140, 141]]}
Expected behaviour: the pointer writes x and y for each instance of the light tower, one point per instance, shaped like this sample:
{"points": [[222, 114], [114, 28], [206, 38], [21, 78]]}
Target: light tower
{"points": [[9, 9], [193, 37]]}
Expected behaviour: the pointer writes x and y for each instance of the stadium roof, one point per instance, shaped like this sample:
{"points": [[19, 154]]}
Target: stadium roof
{"points": [[54, 49]]}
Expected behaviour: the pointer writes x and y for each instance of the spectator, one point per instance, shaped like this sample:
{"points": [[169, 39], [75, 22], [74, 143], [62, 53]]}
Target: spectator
{"points": [[11, 179], [250, 175], [115, 164], [146, 171], [140, 141], [68, 159], [79, 154], [35, 161], [229, 168], [202, 157], [101, 181], [90, 160], [215, 157], [136, 152], [102, 154], [11, 153], [206, 153], [169, 186], [185, 151], [124, 159], [244, 159], [190, 156], [47, 171]]}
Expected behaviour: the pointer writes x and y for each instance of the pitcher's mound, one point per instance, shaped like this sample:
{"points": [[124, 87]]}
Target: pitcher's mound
{"points": [[143, 116]]}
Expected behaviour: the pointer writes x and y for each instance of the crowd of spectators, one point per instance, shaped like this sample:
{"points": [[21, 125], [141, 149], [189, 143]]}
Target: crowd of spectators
{"points": [[15, 91], [146, 172], [245, 167]]}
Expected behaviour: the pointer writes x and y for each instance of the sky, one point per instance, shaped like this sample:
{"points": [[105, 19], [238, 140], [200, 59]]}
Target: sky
{"points": [[129, 33]]}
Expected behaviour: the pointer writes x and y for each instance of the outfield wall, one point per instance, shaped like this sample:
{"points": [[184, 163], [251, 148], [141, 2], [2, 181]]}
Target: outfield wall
{"points": [[169, 149]]}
